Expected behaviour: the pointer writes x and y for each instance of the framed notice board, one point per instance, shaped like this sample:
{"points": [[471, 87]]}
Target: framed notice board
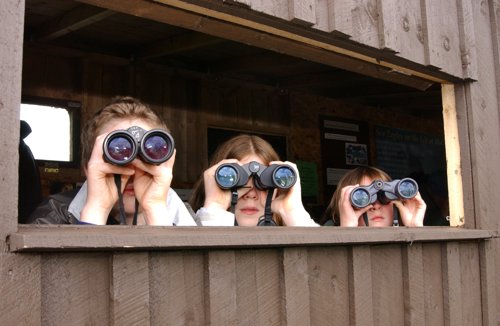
{"points": [[344, 145]]}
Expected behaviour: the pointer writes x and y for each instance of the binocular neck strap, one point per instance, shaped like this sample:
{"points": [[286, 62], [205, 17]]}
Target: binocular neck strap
{"points": [[234, 200], [268, 213], [365, 218], [395, 216], [118, 183]]}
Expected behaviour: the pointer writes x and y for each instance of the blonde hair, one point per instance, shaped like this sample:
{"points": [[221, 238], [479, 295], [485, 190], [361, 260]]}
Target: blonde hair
{"points": [[353, 177], [235, 148], [124, 107]]}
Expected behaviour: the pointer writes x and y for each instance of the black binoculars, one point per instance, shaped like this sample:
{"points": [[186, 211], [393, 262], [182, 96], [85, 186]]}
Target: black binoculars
{"points": [[122, 146], [233, 175], [384, 192]]}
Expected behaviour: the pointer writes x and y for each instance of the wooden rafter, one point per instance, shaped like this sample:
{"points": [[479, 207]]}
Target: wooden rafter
{"points": [[71, 21]]}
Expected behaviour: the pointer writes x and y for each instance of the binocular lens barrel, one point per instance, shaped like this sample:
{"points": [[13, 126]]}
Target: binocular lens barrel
{"points": [[226, 177], [407, 188], [284, 177], [122, 146], [120, 149], [360, 198], [157, 147]]}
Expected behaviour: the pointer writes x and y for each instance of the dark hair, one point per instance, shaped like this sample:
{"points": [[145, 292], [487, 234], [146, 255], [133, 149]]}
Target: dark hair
{"points": [[123, 107]]}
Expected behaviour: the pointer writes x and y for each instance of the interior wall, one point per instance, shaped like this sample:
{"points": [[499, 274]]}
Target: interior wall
{"points": [[190, 103]]}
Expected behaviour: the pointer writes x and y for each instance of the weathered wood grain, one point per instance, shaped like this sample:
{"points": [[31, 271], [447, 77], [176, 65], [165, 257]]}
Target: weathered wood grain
{"points": [[329, 285], [177, 288], [75, 289], [129, 289], [453, 295], [413, 284], [401, 30], [470, 275], [360, 286], [222, 306], [387, 285], [433, 284], [297, 291], [21, 289], [11, 49], [442, 46], [73, 238]]}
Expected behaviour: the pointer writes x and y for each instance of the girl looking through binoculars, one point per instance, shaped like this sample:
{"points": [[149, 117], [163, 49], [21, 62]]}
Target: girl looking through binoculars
{"points": [[212, 201], [379, 211]]}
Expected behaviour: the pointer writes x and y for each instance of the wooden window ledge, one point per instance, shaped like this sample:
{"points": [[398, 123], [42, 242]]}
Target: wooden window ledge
{"points": [[85, 238]]}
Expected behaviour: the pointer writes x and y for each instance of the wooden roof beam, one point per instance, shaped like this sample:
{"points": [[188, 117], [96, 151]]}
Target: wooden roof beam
{"points": [[177, 44], [71, 21]]}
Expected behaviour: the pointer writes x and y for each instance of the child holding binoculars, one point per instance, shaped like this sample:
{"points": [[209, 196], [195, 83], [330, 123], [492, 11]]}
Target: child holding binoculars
{"points": [[366, 196], [245, 176], [128, 157]]}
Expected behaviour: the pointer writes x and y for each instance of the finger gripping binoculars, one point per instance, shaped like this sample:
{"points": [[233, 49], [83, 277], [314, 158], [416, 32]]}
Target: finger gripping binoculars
{"points": [[384, 192], [233, 175], [121, 147]]}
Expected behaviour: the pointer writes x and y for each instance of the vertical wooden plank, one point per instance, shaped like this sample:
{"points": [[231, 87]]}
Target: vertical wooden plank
{"points": [[442, 44], [387, 285], [400, 23], [221, 288], [246, 281], [177, 288], [483, 117], [413, 282], [489, 283], [11, 54], [329, 286], [357, 19], [75, 289], [465, 155], [258, 287], [296, 280], [468, 47], [21, 289], [470, 276], [302, 11], [452, 147], [433, 284], [360, 286], [130, 289], [452, 290]]}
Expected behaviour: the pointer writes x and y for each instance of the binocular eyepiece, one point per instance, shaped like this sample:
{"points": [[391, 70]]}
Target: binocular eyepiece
{"points": [[384, 192], [233, 175], [121, 147]]}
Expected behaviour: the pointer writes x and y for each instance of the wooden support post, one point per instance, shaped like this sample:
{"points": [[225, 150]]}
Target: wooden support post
{"points": [[453, 165]]}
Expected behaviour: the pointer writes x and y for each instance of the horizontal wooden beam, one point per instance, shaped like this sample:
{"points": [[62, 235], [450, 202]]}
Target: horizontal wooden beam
{"points": [[74, 20], [244, 30], [178, 44], [87, 238]]}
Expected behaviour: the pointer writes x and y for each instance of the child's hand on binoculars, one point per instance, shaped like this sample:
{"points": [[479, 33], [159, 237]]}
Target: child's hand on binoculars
{"points": [[348, 215], [215, 197], [102, 194], [412, 211], [288, 202], [151, 186]]}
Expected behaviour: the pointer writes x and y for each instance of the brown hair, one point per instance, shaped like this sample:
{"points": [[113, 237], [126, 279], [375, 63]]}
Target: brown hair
{"points": [[352, 177], [235, 148], [119, 108]]}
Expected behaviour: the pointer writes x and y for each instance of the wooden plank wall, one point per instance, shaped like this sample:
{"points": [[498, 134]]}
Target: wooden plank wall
{"points": [[395, 284], [425, 32]]}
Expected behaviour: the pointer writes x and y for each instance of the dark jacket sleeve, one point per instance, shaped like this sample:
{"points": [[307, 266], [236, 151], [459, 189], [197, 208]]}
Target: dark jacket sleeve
{"points": [[54, 210]]}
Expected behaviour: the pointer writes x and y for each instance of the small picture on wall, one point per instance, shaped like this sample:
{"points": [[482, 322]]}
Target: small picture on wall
{"points": [[356, 154]]}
